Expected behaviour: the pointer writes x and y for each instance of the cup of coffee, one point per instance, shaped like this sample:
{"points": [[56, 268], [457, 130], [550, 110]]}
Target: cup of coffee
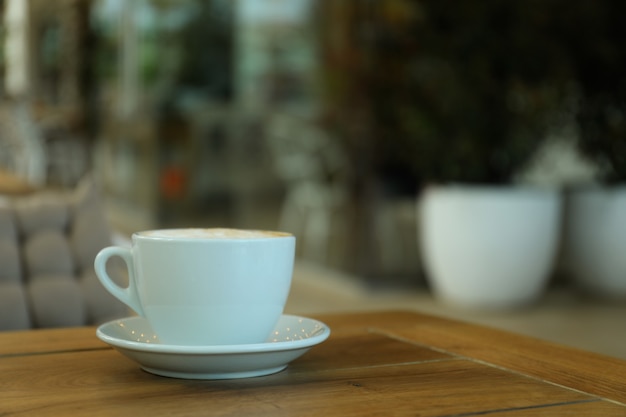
{"points": [[205, 286]]}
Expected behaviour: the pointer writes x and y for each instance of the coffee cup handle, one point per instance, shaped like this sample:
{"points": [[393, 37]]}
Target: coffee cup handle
{"points": [[126, 295]]}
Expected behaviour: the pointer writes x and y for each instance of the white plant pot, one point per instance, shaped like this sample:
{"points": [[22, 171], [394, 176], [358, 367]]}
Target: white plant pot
{"points": [[489, 247], [594, 249]]}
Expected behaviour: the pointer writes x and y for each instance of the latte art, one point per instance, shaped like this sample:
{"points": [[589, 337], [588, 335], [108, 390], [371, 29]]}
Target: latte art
{"points": [[213, 233]]}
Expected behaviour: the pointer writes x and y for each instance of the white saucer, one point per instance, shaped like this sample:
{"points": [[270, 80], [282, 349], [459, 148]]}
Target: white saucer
{"points": [[292, 337]]}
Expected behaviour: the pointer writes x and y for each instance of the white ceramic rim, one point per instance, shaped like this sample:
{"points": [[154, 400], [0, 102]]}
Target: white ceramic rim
{"points": [[275, 235], [321, 335]]}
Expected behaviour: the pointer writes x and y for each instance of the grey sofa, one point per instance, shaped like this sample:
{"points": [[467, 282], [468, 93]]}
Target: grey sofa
{"points": [[48, 242]]}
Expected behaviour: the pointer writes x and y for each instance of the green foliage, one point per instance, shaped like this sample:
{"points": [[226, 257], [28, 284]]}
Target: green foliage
{"points": [[597, 36], [461, 91], [477, 94]]}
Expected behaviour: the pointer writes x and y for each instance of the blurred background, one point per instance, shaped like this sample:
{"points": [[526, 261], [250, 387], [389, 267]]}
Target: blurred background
{"points": [[328, 119]]}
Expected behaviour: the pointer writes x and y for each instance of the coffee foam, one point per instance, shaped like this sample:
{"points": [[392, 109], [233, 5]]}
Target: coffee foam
{"points": [[213, 233]]}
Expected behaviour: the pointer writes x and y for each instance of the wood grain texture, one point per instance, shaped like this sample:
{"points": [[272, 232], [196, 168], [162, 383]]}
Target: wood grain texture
{"points": [[374, 364], [103, 383], [48, 340], [581, 370]]}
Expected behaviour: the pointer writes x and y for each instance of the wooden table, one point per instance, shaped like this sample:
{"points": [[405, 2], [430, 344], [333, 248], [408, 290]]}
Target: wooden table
{"points": [[374, 364]]}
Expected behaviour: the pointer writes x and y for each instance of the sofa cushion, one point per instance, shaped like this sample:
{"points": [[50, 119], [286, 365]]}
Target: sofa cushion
{"points": [[56, 301], [14, 312], [48, 252], [43, 210], [11, 264]]}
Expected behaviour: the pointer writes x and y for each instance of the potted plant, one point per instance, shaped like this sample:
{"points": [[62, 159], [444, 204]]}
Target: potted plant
{"points": [[594, 237], [459, 99], [479, 108], [595, 221]]}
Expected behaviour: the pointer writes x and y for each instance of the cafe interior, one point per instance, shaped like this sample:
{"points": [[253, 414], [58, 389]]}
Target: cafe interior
{"points": [[355, 125]]}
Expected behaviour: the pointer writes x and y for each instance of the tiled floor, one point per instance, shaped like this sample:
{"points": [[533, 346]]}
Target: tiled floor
{"points": [[561, 316]]}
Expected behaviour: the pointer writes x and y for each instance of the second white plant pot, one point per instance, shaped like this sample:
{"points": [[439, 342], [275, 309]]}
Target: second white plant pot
{"points": [[594, 252], [489, 247]]}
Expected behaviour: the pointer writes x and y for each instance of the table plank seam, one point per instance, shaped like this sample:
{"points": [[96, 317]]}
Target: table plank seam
{"points": [[492, 365], [51, 352], [422, 345], [529, 407], [385, 365], [545, 381]]}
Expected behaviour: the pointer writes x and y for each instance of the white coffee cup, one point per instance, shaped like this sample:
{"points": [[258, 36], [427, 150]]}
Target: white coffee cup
{"points": [[205, 286]]}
